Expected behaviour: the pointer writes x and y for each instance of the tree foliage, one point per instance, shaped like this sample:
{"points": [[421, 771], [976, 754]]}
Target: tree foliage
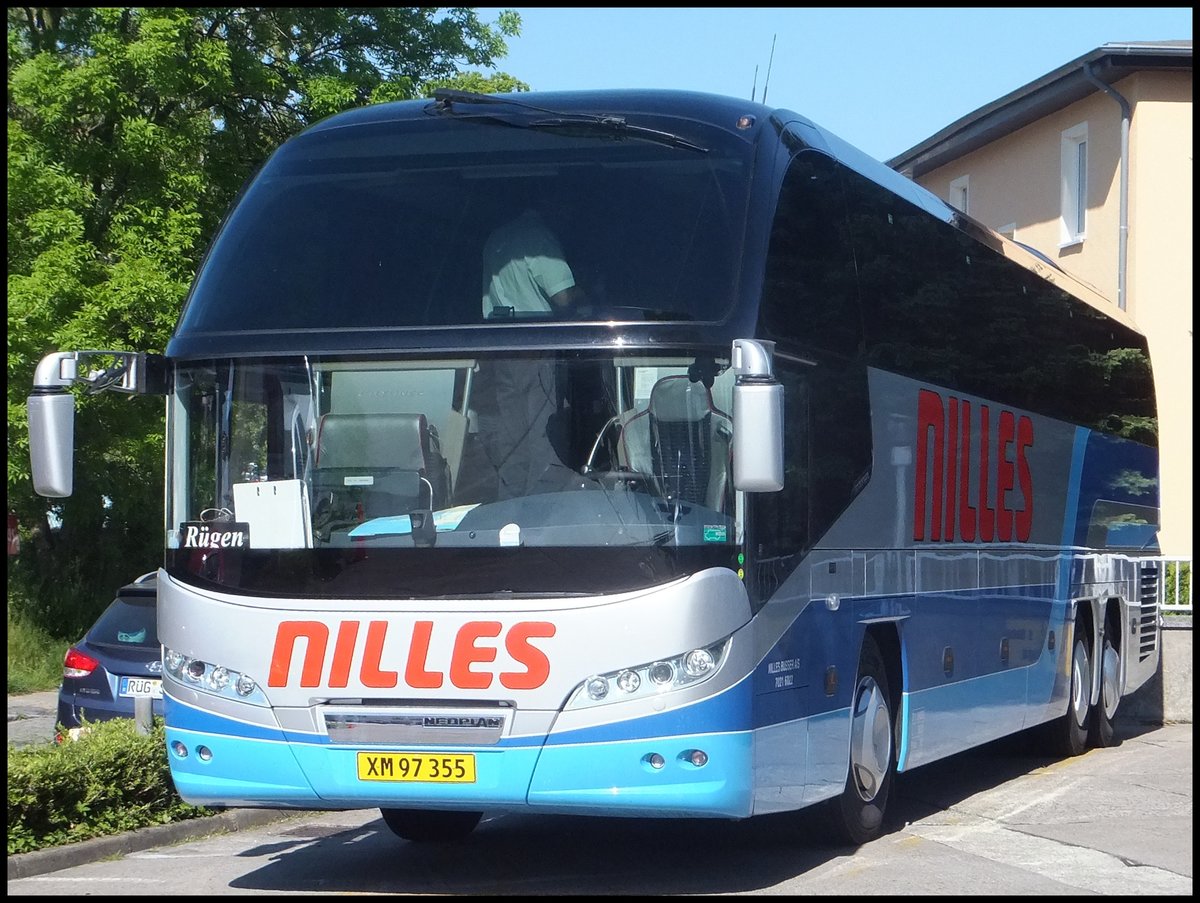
{"points": [[130, 131]]}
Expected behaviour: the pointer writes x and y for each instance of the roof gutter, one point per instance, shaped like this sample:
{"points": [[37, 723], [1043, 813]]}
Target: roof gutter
{"points": [[1123, 228]]}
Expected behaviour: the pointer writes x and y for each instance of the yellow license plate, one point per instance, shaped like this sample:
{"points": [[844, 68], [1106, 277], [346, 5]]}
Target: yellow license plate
{"points": [[457, 768]]}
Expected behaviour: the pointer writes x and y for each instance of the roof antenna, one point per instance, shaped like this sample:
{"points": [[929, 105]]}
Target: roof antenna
{"points": [[754, 89], [767, 80]]}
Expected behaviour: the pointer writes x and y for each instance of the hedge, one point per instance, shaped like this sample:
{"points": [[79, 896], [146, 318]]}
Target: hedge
{"points": [[110, 780]]}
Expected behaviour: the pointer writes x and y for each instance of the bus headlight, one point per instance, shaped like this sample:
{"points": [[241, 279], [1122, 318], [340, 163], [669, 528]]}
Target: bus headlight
{"points": [[651, 678], [662, 673], [209, 678], [597, 688], [218, 678], [173, 661], [698, 662]]}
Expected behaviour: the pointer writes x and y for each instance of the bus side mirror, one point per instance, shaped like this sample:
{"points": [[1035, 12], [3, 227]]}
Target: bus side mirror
{"points": [[52, 442], [51, 406], [757, 419]]}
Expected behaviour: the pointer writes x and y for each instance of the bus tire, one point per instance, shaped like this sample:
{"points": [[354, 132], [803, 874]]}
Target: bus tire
{"points": [[856, 816], [1069, 734], [1100, 732], [430, 825]]}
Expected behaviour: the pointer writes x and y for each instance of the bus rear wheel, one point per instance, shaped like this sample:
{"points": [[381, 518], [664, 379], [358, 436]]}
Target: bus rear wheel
{"points": [[1069, 734], [1109, 663], [430, 825], [856, 816]]}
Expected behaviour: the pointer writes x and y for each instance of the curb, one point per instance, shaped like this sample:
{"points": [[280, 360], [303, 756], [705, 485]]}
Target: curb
{"points": [[39, 862]]}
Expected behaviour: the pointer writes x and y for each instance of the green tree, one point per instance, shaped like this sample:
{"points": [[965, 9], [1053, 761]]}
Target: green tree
{"points": [[130, 131]]}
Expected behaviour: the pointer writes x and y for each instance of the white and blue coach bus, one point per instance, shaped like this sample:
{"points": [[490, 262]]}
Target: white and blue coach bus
{"points": [[810, 479]]}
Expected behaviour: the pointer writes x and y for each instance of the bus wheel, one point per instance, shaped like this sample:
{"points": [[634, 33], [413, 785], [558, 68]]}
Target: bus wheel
{"points": [[430, 825], [856, 816], [1070, 732], [1101, 731]]}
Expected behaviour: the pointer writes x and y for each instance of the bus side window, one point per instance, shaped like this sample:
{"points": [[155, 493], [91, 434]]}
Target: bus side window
{"points": [[811, 309], [840, 460], [779, 521], [810, 290]]}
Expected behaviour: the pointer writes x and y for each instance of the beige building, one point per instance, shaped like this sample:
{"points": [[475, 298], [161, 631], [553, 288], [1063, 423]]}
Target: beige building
{"points": [[1092, 166]]}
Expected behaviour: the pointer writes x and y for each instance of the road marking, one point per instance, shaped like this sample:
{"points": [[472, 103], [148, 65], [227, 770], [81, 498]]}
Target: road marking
{"points": [[1071, 865], [93, 879]]}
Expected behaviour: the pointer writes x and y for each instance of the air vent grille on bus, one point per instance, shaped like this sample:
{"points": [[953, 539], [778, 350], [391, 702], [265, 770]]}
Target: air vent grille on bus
{"points": [[1148, 577]]}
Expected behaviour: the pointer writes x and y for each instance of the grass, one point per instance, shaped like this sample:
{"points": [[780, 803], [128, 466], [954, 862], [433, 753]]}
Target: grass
{"points": [[34, 658]]}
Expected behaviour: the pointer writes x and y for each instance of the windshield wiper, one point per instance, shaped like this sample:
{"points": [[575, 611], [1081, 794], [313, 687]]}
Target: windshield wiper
{"points": [[615, 127], [568, 123], [661, 539], [444, 100]]}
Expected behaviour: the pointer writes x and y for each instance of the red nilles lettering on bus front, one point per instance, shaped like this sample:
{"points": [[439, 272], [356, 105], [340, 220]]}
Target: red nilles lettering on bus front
{"points": [[475, 646], [468, 653], [415, 674], [942, 501]]}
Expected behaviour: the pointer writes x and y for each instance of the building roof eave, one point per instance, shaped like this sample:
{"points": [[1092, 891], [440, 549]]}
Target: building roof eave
{"points": [[1066, 85]]}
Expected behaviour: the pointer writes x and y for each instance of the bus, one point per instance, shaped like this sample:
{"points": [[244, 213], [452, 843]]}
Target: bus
{"points": [[814, 480]]}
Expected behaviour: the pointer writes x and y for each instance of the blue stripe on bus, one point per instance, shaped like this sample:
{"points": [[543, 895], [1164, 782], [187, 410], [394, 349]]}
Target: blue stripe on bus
{"points": [[615, 776], [184, 716], [946, 720], [905, 713], [1071, 511], [728, 710], [1074, 483], [619, 779], [228, 770]]}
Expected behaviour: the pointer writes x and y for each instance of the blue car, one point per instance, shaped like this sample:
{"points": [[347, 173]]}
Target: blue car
{"points": [[118, 660]]}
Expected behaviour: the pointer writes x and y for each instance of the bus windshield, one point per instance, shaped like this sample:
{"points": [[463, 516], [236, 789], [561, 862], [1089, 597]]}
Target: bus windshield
{"points": [[533, 450], [418, 223]]}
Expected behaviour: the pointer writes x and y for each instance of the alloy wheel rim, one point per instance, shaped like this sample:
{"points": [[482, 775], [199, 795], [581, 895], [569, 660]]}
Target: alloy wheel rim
{"points": [[1110, 670], [1081, 682], [870, 739]]}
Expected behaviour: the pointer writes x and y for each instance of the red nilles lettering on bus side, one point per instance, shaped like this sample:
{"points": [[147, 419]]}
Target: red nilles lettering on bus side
{"points": [[475, 646], [942, 501]]}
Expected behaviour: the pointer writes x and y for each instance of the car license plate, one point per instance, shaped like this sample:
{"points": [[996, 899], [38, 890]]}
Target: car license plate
{"points": [[141, 687], [458, 768]]}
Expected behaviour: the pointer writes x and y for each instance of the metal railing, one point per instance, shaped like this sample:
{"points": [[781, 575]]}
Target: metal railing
{"points": [[1175, 585]]}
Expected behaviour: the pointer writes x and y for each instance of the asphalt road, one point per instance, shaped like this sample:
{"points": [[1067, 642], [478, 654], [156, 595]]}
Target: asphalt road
{"points": [[998, 820]]}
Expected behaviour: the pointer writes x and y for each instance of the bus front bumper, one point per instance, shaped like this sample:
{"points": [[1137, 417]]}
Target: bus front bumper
{"points": [[703, 775]]}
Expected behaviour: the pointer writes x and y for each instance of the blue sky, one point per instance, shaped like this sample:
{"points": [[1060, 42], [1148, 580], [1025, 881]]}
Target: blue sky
{"points": [[883, 79]]}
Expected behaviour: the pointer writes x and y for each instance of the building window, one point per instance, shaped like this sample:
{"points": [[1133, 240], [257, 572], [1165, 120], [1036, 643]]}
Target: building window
{"points": [[1074, 184], [959, 193]]}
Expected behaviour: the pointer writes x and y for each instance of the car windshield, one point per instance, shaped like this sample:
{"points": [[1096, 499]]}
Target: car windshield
{"points": [[129, 621]]}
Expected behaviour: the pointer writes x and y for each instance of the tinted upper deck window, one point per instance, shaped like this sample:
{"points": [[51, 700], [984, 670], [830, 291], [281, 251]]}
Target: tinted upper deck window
{"points": [[384, 224]]}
